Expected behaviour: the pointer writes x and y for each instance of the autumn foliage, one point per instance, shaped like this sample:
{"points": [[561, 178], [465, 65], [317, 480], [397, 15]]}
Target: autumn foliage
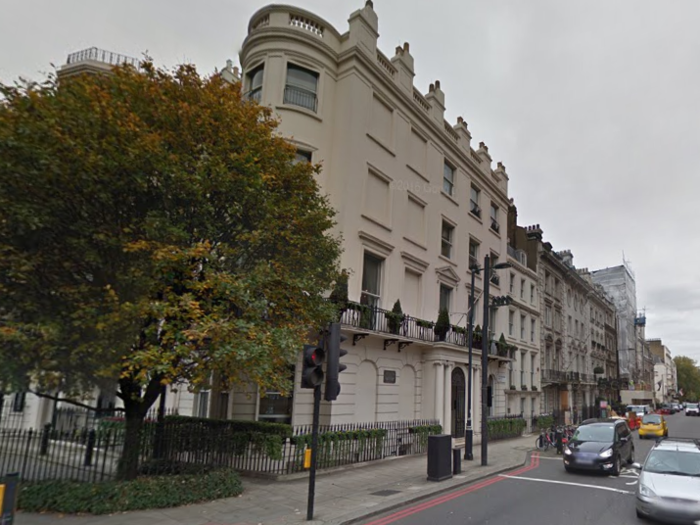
{"points": [[154, 229]]}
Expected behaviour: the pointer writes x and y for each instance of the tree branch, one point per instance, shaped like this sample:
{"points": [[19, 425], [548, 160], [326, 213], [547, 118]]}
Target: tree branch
{"points": [[70, 401]]}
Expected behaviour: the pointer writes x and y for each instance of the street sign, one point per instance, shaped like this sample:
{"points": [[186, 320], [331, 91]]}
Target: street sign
{"points": [[603, 404]]}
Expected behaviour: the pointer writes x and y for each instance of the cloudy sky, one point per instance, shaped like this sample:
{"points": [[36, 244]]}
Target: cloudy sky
{"points": [[592, 105]]}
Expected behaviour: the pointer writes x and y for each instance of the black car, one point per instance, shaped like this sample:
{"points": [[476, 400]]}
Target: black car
{"points": [[600, 446]]}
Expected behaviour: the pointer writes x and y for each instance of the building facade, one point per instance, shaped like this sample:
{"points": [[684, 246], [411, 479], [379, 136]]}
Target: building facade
{"points": [[635, 364], [416, 203], [665, 374]]}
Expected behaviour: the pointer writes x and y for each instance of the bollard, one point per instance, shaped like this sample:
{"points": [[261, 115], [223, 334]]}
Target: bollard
{"points": [[90, 447], [456, 461], [560, 446]]}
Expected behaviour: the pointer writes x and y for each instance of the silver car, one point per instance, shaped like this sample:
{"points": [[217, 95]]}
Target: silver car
{"points": [[669, 481]]}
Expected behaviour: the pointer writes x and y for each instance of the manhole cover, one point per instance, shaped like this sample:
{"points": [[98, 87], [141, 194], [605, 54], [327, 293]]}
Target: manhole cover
{"points": [[385, 493]]}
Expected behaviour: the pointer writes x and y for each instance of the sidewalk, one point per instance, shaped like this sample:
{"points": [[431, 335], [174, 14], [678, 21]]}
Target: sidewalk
{"points": [[342, 497]]}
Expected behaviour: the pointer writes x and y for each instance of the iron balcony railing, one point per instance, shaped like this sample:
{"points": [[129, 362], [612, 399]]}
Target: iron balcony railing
{"points": [[101, 55], [297, 96], [367, 317], [254, 94]]}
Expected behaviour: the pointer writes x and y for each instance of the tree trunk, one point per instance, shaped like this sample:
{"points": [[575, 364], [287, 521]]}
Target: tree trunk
{"points": [[137, 402], [129, 460]]}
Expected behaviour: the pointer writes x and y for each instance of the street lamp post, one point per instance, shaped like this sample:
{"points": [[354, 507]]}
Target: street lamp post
{"points": [[485, 363], [469, 434]]}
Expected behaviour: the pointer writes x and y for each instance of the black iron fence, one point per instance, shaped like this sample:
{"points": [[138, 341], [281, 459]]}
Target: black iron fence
{"points": [[169, 447], [46, 454]]}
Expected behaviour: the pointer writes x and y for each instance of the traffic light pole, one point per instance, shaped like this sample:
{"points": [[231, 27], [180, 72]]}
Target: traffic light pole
{"points": [[314, 448], [469, 434]]}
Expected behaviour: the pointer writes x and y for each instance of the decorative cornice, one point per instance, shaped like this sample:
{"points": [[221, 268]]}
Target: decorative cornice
{"points": [[376, 243], [448, 274], [414, 262]]}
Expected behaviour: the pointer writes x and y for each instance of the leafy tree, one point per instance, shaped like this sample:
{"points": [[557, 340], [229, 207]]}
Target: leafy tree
{"points": [[688, 377], [154, 230]]}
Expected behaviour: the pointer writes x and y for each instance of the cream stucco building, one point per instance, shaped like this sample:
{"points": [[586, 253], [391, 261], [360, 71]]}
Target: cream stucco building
{"points": [[416, 201]]}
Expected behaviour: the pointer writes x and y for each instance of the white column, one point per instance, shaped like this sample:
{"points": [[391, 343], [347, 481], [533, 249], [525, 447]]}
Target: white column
{"points": [[447, 426], [439, 379]]}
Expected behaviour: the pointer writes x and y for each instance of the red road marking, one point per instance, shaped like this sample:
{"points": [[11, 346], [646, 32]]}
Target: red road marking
{"points": [[534, 463]]}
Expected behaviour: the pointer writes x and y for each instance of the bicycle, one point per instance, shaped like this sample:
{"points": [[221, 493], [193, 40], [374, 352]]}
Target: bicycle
{"points": [[545, 440]]}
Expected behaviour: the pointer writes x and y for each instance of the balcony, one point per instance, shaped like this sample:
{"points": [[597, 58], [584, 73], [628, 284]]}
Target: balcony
{"points": [[301, 97], [365, 319], [100, 55], [254, 94]]}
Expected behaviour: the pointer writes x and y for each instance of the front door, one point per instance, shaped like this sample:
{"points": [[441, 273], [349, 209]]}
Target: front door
{"points": [[459, 390]]}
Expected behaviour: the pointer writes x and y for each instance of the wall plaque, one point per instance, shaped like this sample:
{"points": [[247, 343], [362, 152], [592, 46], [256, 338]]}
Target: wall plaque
{"points": [[390, 376]]}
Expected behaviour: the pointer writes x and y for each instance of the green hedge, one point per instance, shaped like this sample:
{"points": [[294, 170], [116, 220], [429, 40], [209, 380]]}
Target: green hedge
{"points": [[71, 497], [544, 422], [202, 435], [506, 427]]}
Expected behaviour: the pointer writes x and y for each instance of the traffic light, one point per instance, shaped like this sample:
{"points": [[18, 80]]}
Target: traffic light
{"points": [[502, 300], [312, 371], [335, 367]]}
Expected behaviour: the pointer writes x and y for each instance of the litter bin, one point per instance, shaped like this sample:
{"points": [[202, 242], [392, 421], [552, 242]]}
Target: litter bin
{"points": [[439, 460], [456, 461]]}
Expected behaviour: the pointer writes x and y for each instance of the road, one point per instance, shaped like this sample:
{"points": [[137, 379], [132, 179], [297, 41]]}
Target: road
{"points": [[541, 492]]}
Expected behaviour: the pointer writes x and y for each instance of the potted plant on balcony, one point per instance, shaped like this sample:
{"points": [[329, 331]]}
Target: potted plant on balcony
{"points": [[534, 388], [395, 318], [524, 387], [442, 326], [476, 337], [598, 370], [512, 387], [502, 346]]}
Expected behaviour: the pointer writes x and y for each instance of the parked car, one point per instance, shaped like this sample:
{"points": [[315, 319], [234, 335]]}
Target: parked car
{"points": [[640, 410], [653, 425], [677, 407], [669, 481], [665, 410], [692, 409], [601, 446]]}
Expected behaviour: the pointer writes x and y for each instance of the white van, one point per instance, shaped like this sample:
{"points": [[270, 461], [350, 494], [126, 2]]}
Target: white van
{"points": [[640, 410]]}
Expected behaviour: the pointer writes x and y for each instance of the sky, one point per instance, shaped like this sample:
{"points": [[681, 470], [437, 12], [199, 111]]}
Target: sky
{"points": [[593, 106]]}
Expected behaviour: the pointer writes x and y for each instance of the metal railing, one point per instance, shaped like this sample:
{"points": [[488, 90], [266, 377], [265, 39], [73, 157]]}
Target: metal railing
{"points": [[93, 455], [367, 317], [101, 55], [297, 96]]}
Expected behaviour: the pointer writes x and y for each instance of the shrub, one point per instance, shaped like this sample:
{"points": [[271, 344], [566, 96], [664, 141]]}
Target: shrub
{"points": [[72, 497], [442, 325], [186, 434], [395, 317]]}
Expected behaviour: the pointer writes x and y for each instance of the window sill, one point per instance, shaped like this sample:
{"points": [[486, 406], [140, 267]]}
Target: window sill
{"points": [[496, 233], [381, 145], [416, 243], [449, 197], [300, 109], [475, 217], [375, 221], [417, 172], [449, 261]]}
